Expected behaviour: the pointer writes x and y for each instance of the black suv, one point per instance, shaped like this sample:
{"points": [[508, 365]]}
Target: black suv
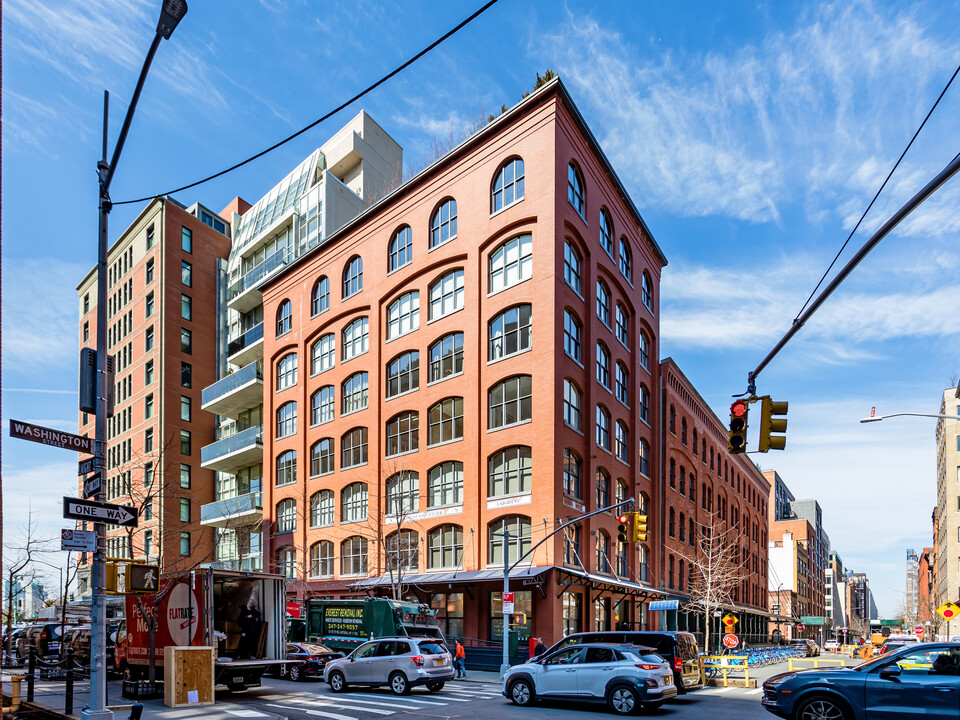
{"points": [[45, 638], [678, 648]]}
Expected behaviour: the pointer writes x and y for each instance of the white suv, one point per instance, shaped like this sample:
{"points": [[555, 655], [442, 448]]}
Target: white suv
{"points": [[400, 662], [623, 676], [832, 646]]}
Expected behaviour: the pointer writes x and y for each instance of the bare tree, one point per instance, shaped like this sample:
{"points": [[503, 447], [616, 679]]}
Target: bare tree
{"points": [[18, 563], [397, 547], [716, 570]]}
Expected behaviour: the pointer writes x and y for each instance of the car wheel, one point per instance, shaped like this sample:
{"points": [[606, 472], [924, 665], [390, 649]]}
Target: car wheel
{"points": [[295, 673], [435, 686], [399, 684], [521, 692], [623, 700], [338, 683], [821, 708]]}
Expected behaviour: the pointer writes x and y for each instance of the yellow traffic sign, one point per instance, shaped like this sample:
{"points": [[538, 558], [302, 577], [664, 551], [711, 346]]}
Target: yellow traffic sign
{"points": [[949, 610], [730, 619]]}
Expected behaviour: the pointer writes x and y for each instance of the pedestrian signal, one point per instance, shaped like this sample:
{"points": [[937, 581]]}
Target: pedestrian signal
{"points": [[519, 619], [639, 527], [770, 424], [142, 578], [738, 427]]}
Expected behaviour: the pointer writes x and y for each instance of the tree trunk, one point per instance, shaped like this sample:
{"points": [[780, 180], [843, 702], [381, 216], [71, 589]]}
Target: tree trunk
{"points": [[9, 644], [152, 631]]}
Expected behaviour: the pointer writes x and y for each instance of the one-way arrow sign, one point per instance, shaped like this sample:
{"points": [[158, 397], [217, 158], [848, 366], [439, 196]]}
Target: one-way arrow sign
{"points": [[94, 511]]}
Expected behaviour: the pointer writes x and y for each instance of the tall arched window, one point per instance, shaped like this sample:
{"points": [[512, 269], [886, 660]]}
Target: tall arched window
{"points": [[622, 442], [572, 399], [403, 493], [644, 350], [443, 224], [646, 291], [445, 421], [572, 473], [446, 357], [403, 315], [445, 484], [353, 448], [572, 332], [356, 338], [284, 318], [509, 332], [508, 185], [322, 405], [510, 472], [403, 433], [321, 559], [606, 232], [403, 550], [603, 427], [603, 364], [353, 502], [286, 468], [321, 457], [572, 554], [353, 277], [323, 354], [510, 401], [287, 561], [572, 266], [286, 515], [644, 404], [446, 294], [320, 296], [644, 457], [353, 556], [626, 259], [603, 302], [511, 263], [400, 252], [623, 383], [321, 508], [623, 326], [445, 545], [603, 551], [575, 188], [287, 419], [355, 392], [403, 374], [518, 529], [603, 488], [287, 371]]}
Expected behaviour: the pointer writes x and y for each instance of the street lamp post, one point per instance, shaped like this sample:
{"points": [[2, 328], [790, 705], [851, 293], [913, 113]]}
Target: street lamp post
{"points": [[170, 14], [878, 418]]}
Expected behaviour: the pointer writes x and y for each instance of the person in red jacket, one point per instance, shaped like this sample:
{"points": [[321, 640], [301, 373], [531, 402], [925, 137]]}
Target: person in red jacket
{"points": [[460, 663]]}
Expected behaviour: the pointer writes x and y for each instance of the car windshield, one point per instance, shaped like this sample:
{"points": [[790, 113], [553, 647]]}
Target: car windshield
{"points": [[432, 647]]}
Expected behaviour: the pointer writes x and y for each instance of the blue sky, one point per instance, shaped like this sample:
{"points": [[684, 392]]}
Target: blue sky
{"points": [[750, 135]]}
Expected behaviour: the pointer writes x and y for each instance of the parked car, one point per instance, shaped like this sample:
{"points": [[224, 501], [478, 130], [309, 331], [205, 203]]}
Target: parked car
{"points": [[919, 679], [309, 659], [78, 638], [14, 634], [625, 677], [809, 647], [45, 638], [677, 648], [832, 646], [400, 662]]}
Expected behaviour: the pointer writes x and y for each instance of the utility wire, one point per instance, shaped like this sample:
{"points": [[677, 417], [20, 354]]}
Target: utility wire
{"points": [[333, 112], [889, 175]]}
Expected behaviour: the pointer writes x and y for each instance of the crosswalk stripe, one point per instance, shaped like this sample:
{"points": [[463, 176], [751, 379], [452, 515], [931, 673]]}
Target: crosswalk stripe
{"points": [[758, 691], [351, 699], [393, 701], [347, 705]]}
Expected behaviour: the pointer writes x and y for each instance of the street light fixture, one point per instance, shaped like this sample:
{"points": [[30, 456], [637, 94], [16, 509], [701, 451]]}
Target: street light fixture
{"points": [[878, 418], [171, 13]]}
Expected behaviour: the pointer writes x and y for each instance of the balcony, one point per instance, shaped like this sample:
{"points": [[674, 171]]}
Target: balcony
{"points": [[249, 563], [244, 295], [235, 392], [235, 452], [246, 348], [233, 513]]}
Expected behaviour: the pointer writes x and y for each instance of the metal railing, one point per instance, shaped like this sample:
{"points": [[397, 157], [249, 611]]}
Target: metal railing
{"points": [[246, 503], [238, 441], [229, 383], [256, 274], [251, 336]]}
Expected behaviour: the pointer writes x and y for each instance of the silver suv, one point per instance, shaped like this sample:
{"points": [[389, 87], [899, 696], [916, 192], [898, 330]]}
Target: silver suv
{"points": [[400, 662], [623, 676]]}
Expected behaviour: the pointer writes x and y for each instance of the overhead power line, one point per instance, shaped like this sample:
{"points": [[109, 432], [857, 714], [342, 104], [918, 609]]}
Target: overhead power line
{"points": [[328, 115]]}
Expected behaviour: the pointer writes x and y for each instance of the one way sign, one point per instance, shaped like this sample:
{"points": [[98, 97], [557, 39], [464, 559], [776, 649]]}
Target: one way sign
{"points": [[93, 511]]}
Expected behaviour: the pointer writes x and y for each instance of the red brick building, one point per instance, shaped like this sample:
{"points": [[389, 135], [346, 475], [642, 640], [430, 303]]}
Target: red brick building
{"points": [[705, 486], [485, 362]]}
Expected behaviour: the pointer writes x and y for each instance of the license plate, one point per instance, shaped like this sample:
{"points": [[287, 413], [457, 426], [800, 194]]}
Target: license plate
{"points": [[441, 661], [238, 678]]}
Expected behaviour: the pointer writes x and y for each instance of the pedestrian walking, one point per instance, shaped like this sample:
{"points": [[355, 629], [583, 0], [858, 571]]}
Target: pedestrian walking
{"points": [[540, 649], [460, 662]]}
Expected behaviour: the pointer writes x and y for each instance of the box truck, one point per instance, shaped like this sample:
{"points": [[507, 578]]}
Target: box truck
{"points": [[344, 624]]}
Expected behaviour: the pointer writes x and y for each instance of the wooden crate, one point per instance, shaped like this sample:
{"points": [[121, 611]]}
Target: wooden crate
{"points": [[187, 670]]}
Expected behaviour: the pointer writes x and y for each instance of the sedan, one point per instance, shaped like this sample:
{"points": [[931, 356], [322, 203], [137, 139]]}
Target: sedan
{"points": [[921, 679], [622, 676], [309, 660]]}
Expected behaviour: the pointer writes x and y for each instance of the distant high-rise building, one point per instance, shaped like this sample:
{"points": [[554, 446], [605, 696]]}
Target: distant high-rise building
{"points": [[947, 521], [910, 597]]}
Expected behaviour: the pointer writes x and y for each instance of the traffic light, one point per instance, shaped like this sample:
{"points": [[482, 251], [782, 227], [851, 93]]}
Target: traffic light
{"points": [[519, 619], [639, 527], [770, 424], [738, 427], [623, 532]]}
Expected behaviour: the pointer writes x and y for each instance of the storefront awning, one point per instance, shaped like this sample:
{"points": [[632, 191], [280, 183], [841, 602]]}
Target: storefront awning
{"points": [[664, 605], [451, 577], [606, 585]]}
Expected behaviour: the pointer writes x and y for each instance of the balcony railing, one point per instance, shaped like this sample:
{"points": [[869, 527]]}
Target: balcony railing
{"points": [[256, 274], [234, 452], [235, 509], [232, 382], [254, 334]]}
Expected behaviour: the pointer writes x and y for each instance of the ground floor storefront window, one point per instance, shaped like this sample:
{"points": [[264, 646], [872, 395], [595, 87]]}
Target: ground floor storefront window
{"points": [[449, 610], [571, 613], [601, 614], [522, 603]]}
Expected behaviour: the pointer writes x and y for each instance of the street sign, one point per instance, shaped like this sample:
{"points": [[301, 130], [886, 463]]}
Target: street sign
{"points": [[141, 578], [918, 630], [730, 640], [948, 610], [49, 436], [85, 467], [78, 540], [800, 627], [91, 485], [94, 511], [508, 603], [730, 619], [294, 609]]}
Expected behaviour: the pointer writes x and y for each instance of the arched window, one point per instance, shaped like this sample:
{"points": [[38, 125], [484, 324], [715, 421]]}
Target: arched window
{"points": [[403, 374], [356, 338], [284, 318], [320, 296], [400, 252], [353, 502], [287, 561], [353, 556], [446, 357], [287, 371], [403, 433], [446, 294], [696, 447], [575, 188], [403, 550], [572, 473], [518, 529], [572, 554], [403, 493], [510, 401], [353, 448], [286, 515], [323, 354], [644, 351], [572, 332], [354, 393], [603, 302], [603, 427], [511, 263], [623, 383], [509, 472], [622, 491], [692, 535], [646, 291], [286, 468], [510, 332], [622, 442], [626, 259], [644, 457], [321, 508], [683, 430], [508, 185], [445, 484], [673, 473], [445, 545], [287, 419], [445, 421], [353, 277], [572, 266], [443, 224], [673, 420], [572, 399], [603, 551], [673, 523], [645, 404], [603, 488], [682, 527], [321, 559], [606, 232], [623, 326], [403, 315], [603, 364], [322, 405]]}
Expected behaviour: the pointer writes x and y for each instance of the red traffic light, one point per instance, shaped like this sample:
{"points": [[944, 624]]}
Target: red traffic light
{"points": [[739, 408], [622, 519]]}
